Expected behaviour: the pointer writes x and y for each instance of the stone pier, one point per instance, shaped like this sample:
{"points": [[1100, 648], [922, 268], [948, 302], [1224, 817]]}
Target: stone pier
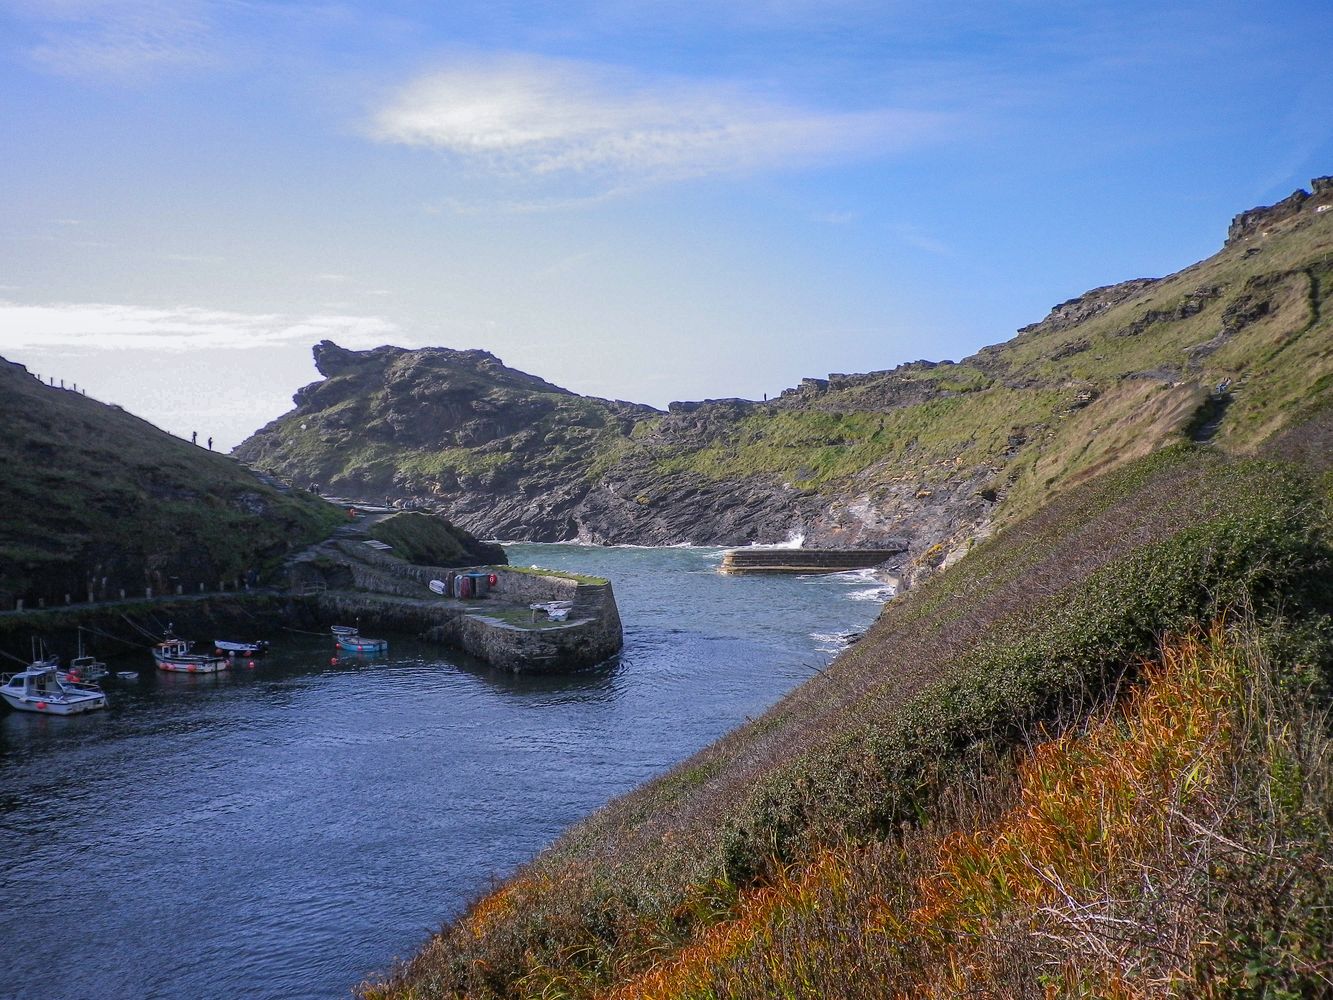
{"points": [[805, 560]]}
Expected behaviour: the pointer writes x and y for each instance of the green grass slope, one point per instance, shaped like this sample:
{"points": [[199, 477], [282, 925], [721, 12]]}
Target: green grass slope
{"points": [[96, 499], [1037, 627], [430, 540]]}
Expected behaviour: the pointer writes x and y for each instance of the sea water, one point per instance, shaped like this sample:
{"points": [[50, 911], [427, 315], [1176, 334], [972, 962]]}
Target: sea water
{"points": [[289, 829]]}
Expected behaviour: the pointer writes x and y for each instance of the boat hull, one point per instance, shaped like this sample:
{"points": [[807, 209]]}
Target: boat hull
{"points": [[363, 645], [202, 665], [54, 705]]}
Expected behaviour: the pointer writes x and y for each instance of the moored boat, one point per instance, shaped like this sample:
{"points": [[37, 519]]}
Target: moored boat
{"points": [[85, 668], [350, 639], [226, 648], [42, 689], [174, 654]]}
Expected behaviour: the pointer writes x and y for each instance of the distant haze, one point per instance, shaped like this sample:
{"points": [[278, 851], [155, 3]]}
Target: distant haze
{"points": [[641, 201]]}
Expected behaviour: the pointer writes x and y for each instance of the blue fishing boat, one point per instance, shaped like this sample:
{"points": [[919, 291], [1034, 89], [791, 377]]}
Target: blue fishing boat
{"points": [[351, 640]]}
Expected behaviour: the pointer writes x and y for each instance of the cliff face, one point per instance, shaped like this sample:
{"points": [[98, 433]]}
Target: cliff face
{"points": [[938, 454], [97, 500]]}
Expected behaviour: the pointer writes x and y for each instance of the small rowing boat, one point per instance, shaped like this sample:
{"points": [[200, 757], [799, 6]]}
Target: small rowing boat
{"points": [[350, 639]]}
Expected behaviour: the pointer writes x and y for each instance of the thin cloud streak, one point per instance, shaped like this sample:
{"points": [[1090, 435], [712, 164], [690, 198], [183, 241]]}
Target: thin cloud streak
{"points": [[121, 39], [536, 117], [104, 327]]}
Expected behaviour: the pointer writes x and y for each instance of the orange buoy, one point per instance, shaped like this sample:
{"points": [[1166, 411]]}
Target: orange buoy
{"points": [[41, 706]]}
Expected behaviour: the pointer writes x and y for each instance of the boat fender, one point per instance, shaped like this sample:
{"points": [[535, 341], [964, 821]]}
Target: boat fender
{"points": [[492, 579], [41, 706]]}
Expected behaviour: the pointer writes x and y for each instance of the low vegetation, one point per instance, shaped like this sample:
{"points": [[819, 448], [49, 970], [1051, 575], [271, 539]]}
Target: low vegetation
{"points": [[581, 578], [1177, 843], [430, 540], [1012, 786]]}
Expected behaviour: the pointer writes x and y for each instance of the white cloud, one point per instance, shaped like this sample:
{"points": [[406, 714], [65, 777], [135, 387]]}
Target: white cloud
{"points": [[538, 116], [102, 326]]}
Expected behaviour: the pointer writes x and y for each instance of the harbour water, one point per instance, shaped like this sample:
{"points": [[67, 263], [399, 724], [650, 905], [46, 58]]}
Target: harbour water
{"points": [[287, 830]]}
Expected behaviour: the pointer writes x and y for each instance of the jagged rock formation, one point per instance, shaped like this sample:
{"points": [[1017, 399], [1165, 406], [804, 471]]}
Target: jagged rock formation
{"points": [[938, 453]]}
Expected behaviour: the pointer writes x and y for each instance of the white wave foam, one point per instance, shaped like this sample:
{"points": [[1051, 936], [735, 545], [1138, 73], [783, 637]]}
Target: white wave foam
{"points": [[833, 642], [795, 540], [881, 594]]}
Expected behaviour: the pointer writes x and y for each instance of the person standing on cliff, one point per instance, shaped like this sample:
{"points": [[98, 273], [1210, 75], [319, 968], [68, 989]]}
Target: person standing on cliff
{"points": [[194, 437], [210, 444]]}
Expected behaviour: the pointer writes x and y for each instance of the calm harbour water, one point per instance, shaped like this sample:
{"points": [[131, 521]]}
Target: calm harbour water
{"points": [[288, 830]]}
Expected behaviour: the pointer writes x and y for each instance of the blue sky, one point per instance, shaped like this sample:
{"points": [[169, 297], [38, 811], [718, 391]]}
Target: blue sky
{"points": [[645, 201]]}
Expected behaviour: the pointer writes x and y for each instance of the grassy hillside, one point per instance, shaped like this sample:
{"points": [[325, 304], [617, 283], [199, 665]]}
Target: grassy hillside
{"points": [[955, 801], [93, 494]]}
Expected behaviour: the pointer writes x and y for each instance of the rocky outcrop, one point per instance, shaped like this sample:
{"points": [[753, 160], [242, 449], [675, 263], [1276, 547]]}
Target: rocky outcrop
{"points": [[1082, 308], [1256, 221]]}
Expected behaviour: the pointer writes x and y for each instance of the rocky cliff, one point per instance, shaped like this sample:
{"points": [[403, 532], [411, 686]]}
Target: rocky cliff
{"points": [[936, 453]]}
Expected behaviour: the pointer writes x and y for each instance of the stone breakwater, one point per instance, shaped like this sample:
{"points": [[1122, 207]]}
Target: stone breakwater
{"points": [[351, 583], [806, 560]]}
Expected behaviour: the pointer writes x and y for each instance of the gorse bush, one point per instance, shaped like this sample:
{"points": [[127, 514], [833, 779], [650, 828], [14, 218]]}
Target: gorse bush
{"points": [[1177, 844]]}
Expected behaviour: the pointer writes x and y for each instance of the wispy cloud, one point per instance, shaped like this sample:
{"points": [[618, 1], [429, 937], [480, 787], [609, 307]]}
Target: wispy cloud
{"points": [[838, 218], [126, 327], [532, 116], [915, 236], [124, 39]]}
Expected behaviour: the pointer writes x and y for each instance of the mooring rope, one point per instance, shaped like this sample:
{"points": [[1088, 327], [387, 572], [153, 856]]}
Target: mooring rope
{"points": [[139, 628]]}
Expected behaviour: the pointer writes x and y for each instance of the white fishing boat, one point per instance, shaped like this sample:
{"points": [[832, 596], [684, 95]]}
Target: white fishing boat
{"points": [[350, 639], [41, 688], [174, 654]]}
